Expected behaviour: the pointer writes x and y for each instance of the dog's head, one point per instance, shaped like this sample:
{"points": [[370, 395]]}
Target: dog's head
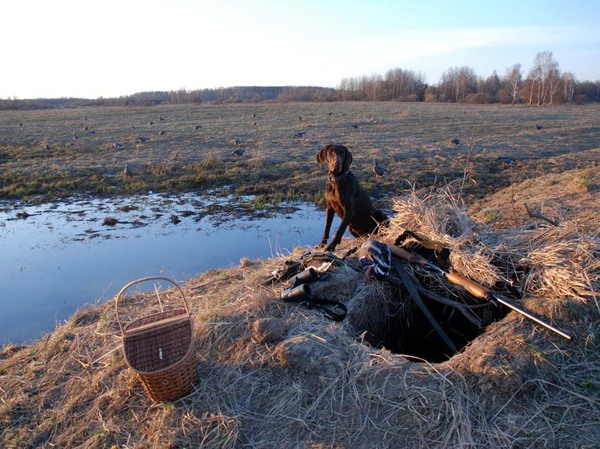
{"points": [[337, 158]]}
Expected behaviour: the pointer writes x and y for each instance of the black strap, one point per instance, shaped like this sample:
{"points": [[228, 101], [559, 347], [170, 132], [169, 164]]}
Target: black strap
{"points": [[322, 304], [407, 281]]}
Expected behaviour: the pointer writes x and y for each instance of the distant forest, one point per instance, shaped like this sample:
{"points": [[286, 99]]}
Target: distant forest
{"points": [[544, 84]]}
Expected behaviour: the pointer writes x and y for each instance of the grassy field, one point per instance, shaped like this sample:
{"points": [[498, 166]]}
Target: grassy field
{"points": [[277, 375], [58, 153]]}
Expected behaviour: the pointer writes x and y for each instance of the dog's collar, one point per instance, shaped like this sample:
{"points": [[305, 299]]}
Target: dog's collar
{"points": [[337, 178]]}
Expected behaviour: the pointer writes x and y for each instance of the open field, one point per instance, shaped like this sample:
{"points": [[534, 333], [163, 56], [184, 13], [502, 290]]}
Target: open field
{"points": [[279, 375], [40, 158]]}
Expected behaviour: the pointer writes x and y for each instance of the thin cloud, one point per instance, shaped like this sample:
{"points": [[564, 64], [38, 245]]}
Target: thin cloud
{"points": [[420, 44]]}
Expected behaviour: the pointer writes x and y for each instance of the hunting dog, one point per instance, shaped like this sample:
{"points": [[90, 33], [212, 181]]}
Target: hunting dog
{"points": [[346, 198]]}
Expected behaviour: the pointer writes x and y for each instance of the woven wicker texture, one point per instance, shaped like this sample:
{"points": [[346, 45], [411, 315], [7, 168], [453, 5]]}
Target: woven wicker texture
{"points": [[160, 349]]}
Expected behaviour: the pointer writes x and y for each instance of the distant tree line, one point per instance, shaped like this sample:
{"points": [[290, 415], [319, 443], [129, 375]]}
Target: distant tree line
{"points": [[183, 96], [544, 84]]}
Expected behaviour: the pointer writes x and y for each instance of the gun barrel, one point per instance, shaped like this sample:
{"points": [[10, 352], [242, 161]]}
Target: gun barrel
{"points": [[524, 312]]}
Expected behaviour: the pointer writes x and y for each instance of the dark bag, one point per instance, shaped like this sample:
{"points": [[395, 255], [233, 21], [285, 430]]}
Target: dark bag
{"points": [[300, 292], [428, 249]]}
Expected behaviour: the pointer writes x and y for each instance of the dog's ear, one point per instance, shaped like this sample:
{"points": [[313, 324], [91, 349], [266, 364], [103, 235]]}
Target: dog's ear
{"points": [[347, 159], [322, 156]]}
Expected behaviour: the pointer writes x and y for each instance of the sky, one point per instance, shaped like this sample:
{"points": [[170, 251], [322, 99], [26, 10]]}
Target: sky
{"points": [[108, 48]]}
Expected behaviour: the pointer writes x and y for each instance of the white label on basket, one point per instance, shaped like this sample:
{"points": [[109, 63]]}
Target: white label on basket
{"points": [[160, 354]]}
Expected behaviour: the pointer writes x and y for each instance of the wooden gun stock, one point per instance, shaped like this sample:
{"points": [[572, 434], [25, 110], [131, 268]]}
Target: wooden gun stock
{"points": [[472, 287]]}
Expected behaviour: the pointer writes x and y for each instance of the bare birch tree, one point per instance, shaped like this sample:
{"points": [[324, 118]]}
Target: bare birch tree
{"points": [[553, 81], [513, 81], [568, 82], [543, 75]]}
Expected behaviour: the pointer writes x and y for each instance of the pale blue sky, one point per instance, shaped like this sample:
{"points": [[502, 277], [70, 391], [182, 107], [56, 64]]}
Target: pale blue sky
{"points": [[77, 48]]}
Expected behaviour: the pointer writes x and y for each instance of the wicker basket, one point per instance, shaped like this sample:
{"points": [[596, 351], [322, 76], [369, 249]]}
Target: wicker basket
{"points": [[160, 348]]}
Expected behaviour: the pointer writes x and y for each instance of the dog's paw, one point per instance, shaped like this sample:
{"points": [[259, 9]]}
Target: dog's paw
{"points": [[330, 247], [323, 244]]}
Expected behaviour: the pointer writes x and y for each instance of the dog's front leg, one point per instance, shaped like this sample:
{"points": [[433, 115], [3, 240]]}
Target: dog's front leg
{"points": [[328, 220], [337, 238]]}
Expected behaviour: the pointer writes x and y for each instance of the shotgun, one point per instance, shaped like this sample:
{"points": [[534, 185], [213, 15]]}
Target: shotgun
{"points": [[472, 287]]}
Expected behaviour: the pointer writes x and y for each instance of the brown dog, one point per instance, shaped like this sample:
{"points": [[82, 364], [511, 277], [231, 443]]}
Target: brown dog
{"points": [[345, 197]]}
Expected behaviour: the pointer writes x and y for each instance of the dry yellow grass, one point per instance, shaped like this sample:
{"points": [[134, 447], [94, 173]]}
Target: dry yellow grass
{"points": [[313, 383]]}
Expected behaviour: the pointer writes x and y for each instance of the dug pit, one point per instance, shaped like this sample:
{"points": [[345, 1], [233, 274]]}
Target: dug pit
{"points": [[398, 325]]}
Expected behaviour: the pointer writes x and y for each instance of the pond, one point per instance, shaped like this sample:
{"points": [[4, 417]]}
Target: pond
{"points": [[56, 257]]}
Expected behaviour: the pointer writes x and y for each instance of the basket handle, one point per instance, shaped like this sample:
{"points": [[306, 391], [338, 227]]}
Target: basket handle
{"points": [[138, 281]]}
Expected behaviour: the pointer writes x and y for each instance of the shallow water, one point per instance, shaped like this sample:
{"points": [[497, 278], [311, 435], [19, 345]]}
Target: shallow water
{"points": [[62, 255]]}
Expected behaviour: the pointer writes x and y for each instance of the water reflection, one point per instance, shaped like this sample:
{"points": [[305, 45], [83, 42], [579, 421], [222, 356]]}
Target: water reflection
{"points": [[62, 255]]}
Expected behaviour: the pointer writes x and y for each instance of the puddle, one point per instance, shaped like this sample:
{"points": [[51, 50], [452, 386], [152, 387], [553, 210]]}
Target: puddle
{"points": [[56, 257]]}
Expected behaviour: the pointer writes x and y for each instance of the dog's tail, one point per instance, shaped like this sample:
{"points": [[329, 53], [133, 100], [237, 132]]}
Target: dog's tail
{"points": [[381, 218]]}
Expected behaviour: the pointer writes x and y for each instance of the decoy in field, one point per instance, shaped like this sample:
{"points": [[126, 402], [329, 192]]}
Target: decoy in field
{"points": [[299, 135], [539, 127], [355, 126], [238, 142], [142, 139], [197, 127], [117, 146], [455, 142], [238, 152], [505, 160], [378, 169], [162, 133]]}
